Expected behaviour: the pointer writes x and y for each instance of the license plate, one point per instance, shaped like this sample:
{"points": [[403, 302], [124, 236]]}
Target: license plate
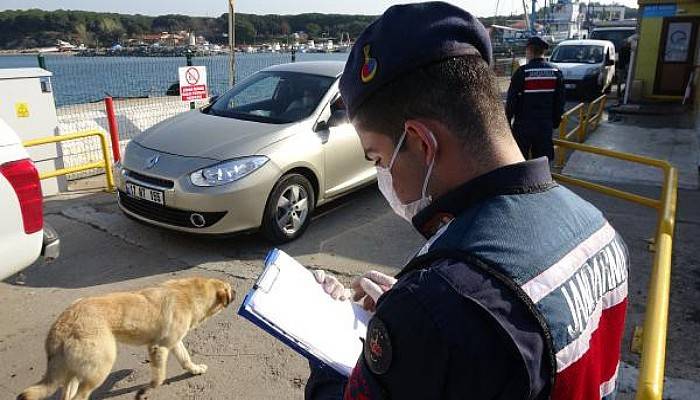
{"points": [[570, 86], [144, 193]]}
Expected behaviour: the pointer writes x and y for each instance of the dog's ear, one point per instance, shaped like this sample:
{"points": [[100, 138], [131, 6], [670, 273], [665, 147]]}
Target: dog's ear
{"points": [[225, 296]]}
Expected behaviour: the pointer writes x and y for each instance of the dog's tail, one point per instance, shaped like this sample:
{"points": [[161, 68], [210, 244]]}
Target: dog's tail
{"points": [[53, 378], [48, 385], [43, 389]]}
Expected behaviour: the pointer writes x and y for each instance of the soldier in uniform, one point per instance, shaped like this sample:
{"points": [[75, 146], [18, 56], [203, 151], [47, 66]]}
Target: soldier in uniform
{"points": [[520, 290], [536, 99]]}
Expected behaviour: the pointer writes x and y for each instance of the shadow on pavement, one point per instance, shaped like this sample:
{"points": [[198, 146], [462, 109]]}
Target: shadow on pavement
{"points": [[105, 391], [100, 245]]}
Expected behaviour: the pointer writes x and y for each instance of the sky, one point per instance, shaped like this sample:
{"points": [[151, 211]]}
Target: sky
{"points": [[214, 8]]}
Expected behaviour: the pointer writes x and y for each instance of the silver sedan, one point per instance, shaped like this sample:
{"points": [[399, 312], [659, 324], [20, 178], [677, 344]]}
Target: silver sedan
{"points": [[261, 156]]}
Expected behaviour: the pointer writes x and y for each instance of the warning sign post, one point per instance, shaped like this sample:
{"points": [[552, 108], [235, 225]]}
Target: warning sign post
{"points": [[193, 83]]}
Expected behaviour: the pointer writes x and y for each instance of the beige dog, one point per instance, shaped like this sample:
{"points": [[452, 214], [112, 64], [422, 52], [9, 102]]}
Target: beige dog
{"points": [[82, 344]]}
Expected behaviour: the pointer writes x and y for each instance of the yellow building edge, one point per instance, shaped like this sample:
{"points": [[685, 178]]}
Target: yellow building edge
{"points": [[648, 48]]}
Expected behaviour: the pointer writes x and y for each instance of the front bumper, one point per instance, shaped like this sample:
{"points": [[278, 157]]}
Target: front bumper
{"points": [[235, 207], [583, 88]]}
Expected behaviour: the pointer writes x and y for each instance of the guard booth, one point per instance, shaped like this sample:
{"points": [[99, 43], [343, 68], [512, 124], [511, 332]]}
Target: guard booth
{"points": [[668, 53], [27, 105]]}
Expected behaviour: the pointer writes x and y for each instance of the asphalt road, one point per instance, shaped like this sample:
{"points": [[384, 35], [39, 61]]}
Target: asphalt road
{"points": [[104, 251]]}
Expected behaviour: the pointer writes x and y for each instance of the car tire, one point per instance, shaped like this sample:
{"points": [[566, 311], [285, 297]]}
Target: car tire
{"points": [[289, 208]]}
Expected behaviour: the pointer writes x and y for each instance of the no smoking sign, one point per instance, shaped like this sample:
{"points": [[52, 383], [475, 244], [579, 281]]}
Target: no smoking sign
{"points": [[192, 76], [193, 83]]}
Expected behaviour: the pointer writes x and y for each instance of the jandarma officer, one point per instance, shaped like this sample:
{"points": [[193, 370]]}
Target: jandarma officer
{"points": [[520, 290], [536, 99]]}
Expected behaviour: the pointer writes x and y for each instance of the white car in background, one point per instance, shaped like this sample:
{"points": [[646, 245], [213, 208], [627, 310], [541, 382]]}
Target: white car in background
{"points": [[23, 235], [588, 66]]}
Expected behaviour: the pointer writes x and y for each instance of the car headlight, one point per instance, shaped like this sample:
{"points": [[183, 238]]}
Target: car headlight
{"points": [[227, 171]]}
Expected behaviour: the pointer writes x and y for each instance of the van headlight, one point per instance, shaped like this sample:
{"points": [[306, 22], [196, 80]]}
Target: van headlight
{"points": [[227, 171]]}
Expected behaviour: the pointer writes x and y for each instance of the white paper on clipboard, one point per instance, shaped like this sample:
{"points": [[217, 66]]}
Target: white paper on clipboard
{"points": [[287, 298]]}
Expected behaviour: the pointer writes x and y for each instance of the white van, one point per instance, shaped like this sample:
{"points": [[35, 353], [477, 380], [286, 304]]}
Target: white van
{"points": [[588, 66]]}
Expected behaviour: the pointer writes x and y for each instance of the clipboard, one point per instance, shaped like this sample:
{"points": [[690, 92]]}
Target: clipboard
{"points": [[288, 303]]}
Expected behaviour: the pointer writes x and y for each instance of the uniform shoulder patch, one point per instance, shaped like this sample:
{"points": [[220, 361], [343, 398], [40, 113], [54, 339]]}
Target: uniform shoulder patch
{"points": [[377, 347]]}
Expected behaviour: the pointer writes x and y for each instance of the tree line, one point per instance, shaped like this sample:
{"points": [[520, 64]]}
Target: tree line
{"points": [[39, 28]]}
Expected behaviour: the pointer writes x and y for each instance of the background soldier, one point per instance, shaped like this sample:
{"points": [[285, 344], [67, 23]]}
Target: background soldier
{"points": [[535, 102]]}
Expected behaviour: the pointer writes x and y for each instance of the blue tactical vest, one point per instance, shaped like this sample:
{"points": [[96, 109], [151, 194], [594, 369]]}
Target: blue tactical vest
{"points": [[557, 254], [538, 84]]}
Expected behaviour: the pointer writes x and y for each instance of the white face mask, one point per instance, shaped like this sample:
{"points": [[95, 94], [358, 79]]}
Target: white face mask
{"points": [[386, 186]]}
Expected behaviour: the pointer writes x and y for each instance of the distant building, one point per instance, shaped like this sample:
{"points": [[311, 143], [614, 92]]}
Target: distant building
{"points": [[165, 39], [301, 36], [504, 34], [153, 38], [173, 39], [565, 19], [605, 12], [62, 45]]}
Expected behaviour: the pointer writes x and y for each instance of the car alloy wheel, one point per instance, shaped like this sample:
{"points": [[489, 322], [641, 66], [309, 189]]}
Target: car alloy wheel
{"points": [[289, 208], [292, 209]]}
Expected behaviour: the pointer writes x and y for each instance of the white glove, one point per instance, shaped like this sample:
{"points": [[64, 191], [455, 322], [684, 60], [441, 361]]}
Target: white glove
{"points": [[370, 286], [331, 285]]}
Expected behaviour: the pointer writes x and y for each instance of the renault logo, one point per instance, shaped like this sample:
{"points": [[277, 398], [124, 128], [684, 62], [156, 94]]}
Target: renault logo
{"points": [[151, 162]]}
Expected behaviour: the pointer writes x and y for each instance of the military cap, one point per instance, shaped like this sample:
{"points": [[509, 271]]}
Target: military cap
{"points": [[405, 38]]}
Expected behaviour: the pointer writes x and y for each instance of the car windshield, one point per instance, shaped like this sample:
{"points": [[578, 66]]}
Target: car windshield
{"points": [[585, 54], [276, 97]]}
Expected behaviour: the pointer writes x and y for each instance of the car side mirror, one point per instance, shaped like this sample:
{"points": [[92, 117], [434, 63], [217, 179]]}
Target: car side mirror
{"points": [[609, 63], [321, 126], [338, 117]]}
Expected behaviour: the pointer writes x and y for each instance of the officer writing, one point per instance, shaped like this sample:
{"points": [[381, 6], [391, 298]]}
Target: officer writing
{"points": [[520, 291], [536, 99]]}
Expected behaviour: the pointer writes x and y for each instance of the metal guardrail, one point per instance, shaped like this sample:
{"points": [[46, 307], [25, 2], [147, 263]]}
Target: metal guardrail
{"points": [[579, 131], [588, 117], [594, 116], [104, 163], [652, 337]]}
